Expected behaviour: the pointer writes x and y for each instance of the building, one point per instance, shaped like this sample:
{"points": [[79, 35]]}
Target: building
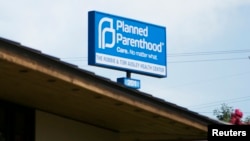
{"points": [[45, 99]]}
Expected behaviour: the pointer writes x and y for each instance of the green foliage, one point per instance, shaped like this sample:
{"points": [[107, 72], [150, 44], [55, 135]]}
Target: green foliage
{"points": [[223, 113], [247, 120]]}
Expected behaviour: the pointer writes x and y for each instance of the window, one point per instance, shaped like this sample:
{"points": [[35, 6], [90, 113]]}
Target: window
{"points": [[16, 122]]}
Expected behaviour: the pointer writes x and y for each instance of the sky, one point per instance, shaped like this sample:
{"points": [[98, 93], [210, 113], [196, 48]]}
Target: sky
{"points": [[208, 44]]}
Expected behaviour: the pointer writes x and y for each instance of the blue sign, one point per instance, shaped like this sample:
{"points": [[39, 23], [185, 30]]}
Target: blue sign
{"points": [[125, 44], [132, 83]]}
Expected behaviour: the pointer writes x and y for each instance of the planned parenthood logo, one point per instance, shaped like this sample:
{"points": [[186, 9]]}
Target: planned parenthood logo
{"points": [[126, 44], [134, 30], [102, 32]]}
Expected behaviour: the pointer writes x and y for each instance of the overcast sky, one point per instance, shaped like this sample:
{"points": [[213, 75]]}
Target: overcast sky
{"points": [[208, 44]]}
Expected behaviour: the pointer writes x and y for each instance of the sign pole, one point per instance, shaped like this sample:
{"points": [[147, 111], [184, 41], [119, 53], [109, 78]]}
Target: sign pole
{"points": [[128, 74]]}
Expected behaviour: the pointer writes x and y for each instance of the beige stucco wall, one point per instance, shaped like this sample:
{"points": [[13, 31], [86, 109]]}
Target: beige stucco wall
{"points": [[50, 127]]}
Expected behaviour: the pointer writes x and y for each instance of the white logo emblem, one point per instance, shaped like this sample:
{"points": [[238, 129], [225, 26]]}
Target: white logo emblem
{"points": [[102, 33]]}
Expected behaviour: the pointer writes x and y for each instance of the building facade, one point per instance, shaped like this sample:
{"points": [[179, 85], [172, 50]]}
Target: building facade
{"points": [[45, 99]]}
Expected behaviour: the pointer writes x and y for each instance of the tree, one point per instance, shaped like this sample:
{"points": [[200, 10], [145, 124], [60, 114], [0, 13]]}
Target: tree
{"points": [[247, 120], [224, 112], [233, 116], [236, 117]]}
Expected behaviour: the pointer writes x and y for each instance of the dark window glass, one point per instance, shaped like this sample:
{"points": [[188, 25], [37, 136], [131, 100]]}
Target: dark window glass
{"points": [[16, 122]]}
